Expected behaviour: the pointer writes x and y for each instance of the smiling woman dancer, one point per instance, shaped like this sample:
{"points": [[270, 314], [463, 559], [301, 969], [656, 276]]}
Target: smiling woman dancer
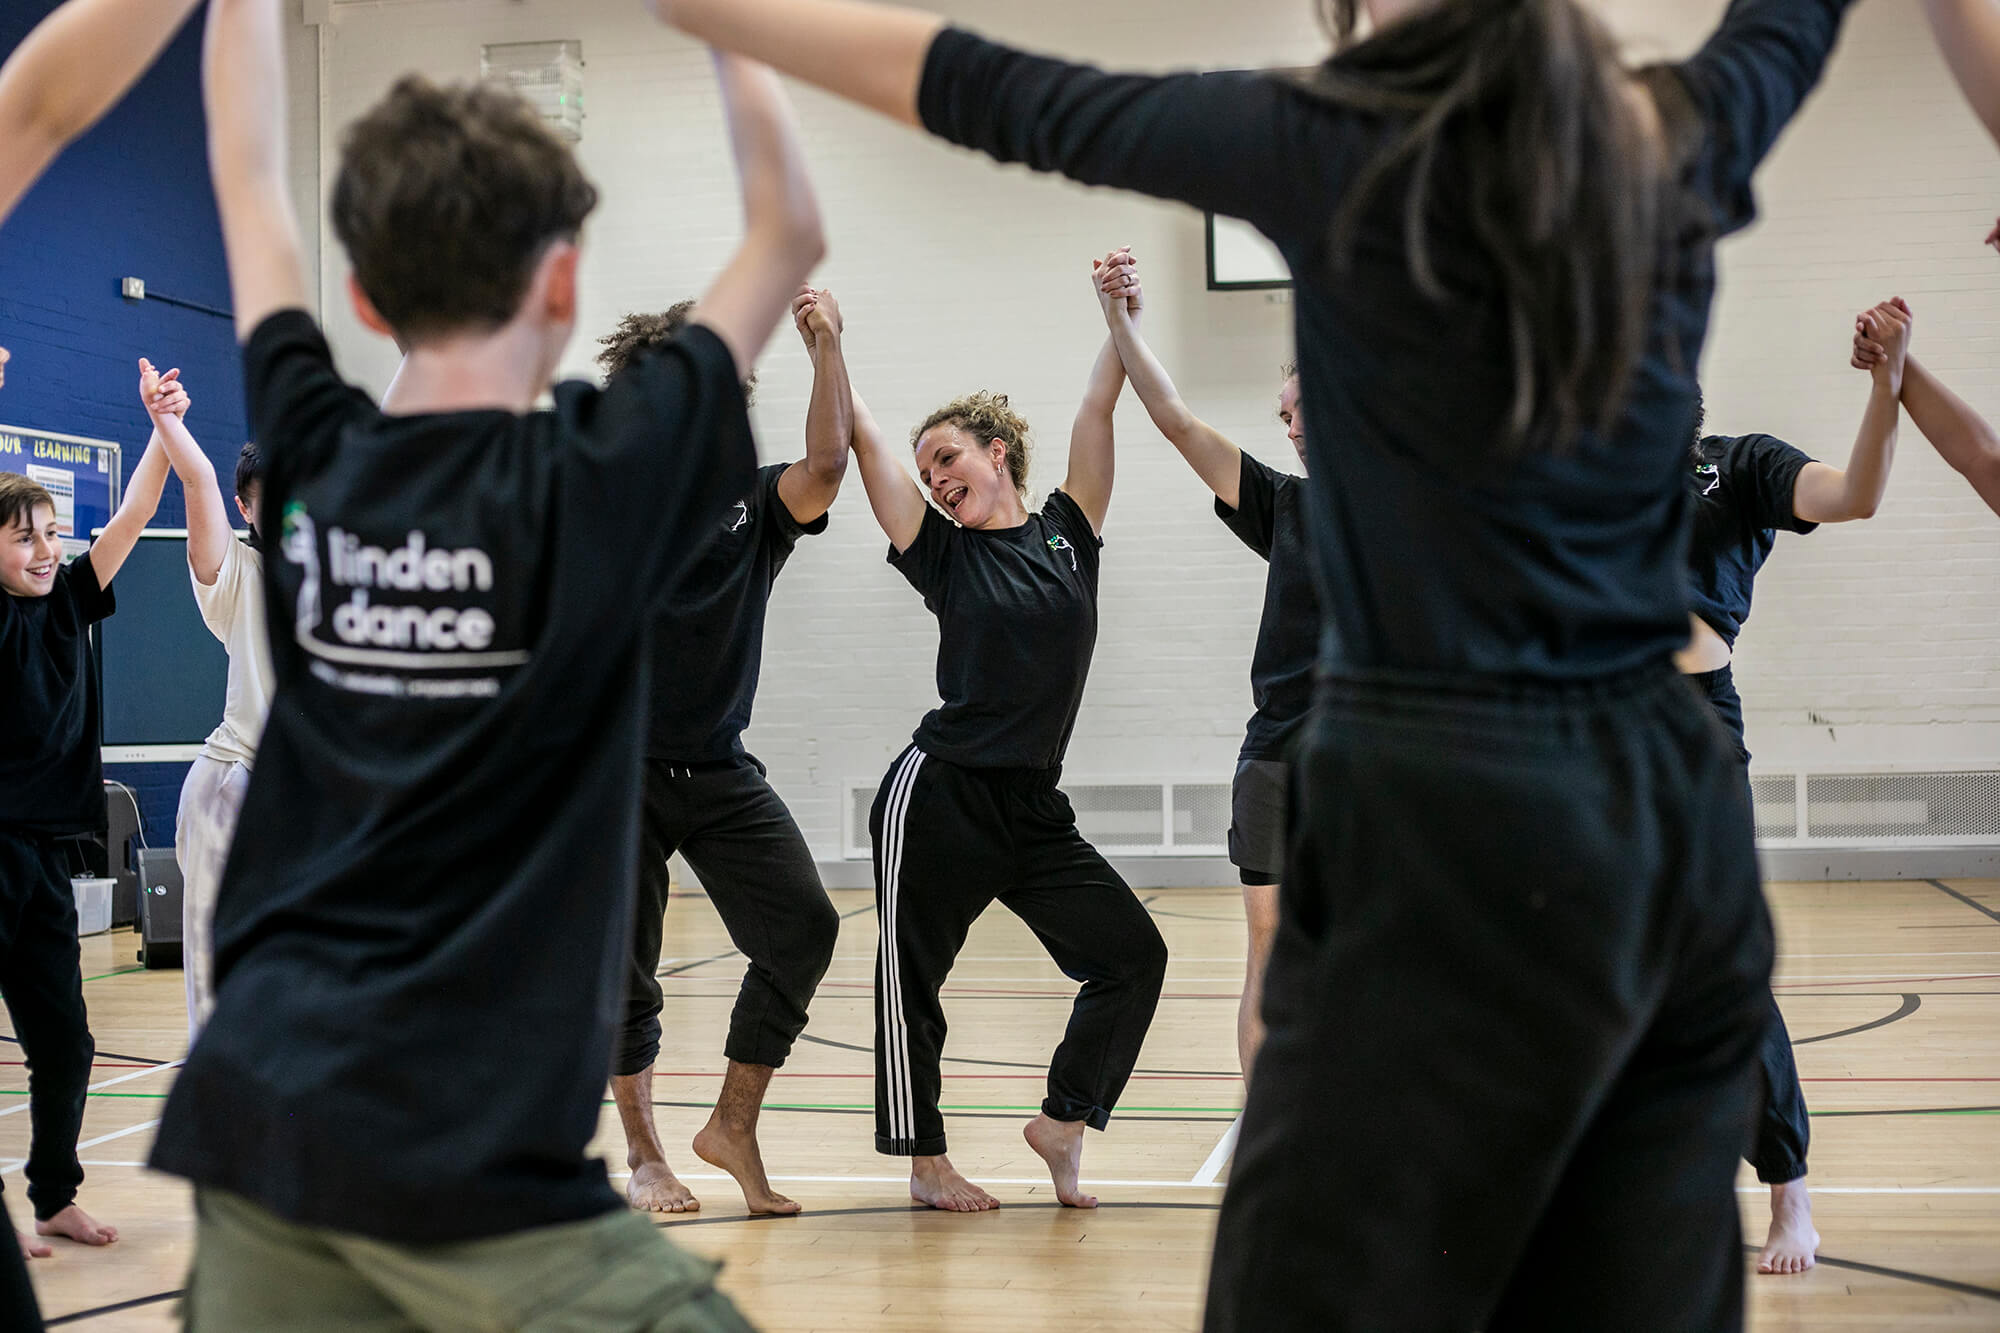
{"points": [[1512, 1012], [970, 813]]}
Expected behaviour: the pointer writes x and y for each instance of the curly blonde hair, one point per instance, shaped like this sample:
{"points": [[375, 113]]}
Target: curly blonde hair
{"points": [[986, 416]]}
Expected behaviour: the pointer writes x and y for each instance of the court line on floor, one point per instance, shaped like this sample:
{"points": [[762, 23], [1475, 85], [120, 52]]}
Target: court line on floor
{"points": [[1219, 1158], [1973, 903], [1911, 1003], [103, 1055], [107, 1083], [698, 1219], [664, 971], [90, 1143]]}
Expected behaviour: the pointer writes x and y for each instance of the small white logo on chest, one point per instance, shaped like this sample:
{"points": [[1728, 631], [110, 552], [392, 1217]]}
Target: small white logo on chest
{"points": [[1714, 474], [1061, 544], [742, 515]]}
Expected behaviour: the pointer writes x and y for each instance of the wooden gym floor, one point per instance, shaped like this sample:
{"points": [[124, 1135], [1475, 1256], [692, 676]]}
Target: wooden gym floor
{"points": [[1892, 992]]}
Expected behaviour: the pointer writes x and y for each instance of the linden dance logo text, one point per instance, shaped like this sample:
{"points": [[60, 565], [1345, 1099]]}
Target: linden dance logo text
{"points": [[414, 566]]}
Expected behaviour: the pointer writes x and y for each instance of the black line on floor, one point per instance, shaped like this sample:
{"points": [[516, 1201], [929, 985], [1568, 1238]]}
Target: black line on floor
{"points": [[1911, 1003], [1912, 1110], [106, 1055], [1193, 916], [1942, 1283], [738, 953], [121, 1306], [1010, 1064], [1973, 903]]}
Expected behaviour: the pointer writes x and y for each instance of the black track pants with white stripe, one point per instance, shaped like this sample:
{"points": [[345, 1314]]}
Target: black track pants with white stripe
{"points": [[949, 841]]}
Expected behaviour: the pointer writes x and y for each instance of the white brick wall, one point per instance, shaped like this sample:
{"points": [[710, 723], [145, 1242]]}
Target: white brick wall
{"points": [[956, 275]]}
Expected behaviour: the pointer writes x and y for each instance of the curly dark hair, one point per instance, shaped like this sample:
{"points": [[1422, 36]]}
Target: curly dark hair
{"points": [[640, 332], [446, 200]]}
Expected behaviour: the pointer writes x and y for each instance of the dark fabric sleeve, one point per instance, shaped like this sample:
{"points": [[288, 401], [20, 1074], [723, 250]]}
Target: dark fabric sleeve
{"points": [[94, 601], [928, 560], [1241, 144], [781, 530], [670, 440], [1255, 518], [296, 400], [1748, 80], [1068, 517], [1764, 470]]}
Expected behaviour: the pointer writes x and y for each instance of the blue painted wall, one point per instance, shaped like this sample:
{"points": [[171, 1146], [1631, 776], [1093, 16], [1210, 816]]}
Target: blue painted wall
{"points": [[130, 199]]}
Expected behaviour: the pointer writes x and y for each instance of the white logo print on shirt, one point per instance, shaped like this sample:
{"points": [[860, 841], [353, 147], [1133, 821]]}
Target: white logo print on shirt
{"points": [[1061, 544], [1713, 473], [742, 515]]}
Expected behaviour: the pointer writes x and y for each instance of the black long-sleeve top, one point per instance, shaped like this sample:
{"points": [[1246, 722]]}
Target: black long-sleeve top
{"points": [[1437, 549]]}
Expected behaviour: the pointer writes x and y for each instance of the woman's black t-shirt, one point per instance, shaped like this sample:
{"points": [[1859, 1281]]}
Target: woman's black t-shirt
{"points": [[1017, 623], [1742, 490], [1270, 518], [1450, 553]]}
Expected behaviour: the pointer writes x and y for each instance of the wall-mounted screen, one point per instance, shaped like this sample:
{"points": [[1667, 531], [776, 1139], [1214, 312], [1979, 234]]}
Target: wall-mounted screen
{"points": [[1240, 259]]}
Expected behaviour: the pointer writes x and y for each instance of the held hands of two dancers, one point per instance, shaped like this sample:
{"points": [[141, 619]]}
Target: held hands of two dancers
{"points": [[1882, 339]]}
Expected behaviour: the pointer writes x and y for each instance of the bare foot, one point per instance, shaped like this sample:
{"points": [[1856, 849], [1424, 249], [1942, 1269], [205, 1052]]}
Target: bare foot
{"points": [[1793, 1244], [1060, 1144], [31, 1249], [654, 1188], [73, 1223], [935, 1181], [741, 1158]]}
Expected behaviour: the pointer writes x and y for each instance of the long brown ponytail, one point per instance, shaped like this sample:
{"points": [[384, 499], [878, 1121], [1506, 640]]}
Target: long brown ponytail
{"points": [[1569, 189]]}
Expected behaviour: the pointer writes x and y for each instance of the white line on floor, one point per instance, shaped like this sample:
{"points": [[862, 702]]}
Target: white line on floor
{"points": [[13, 1166], [107, 1083], [1923, 1191], [1224, 1149]]}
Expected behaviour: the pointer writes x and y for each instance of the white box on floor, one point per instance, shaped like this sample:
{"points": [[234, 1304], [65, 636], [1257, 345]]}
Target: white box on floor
{"points": [[93, 905]]}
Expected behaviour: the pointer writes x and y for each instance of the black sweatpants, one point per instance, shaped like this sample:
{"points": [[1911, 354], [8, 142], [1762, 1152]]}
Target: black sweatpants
{"points": [[41, 979], [1784, 1130], [1513, 1009], [949, 841], [741, 840]]}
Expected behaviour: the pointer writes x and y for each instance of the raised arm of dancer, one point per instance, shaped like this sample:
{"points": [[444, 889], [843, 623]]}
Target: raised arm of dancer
{"points": [[209, 533], [243, 77], [1093, 459], [808, 487], [141, 501], [1214, 141], [893, 493], [1826, 494], [782, 237], [1968, 32], [1217, 461], [68, 72], [1960, 435]]}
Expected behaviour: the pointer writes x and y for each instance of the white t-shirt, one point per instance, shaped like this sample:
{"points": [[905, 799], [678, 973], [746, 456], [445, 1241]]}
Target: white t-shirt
{"points": [[233, 610]]}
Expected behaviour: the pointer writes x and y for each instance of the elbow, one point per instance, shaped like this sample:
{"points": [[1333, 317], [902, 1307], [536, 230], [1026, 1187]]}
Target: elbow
{"points": [[1863, 507]]}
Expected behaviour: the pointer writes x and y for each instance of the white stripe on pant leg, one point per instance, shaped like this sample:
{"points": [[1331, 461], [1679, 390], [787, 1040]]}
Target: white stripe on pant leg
{"points": [[902, 1091], [896, 1035], [894, 1051]]}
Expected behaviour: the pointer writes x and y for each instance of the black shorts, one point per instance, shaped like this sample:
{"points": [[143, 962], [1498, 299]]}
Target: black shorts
{"points": [[1257, 819]]}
